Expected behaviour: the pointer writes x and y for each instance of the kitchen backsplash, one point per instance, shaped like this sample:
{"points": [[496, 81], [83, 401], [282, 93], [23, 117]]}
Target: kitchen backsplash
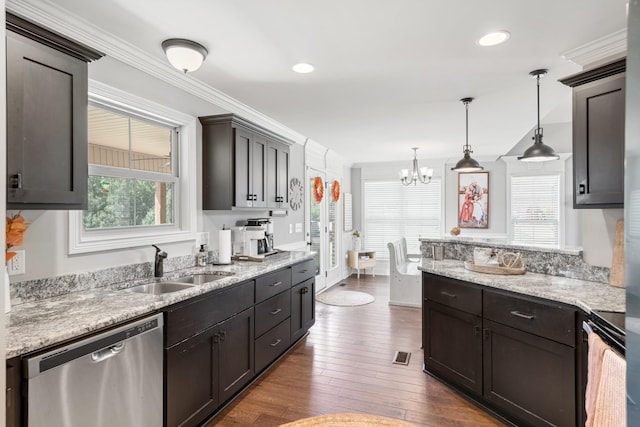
{"points": [[37, 289], [555, 262]]}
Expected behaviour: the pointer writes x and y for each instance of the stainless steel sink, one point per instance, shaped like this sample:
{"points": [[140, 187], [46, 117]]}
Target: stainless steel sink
{"points": [[199, 279], [159, 288]]}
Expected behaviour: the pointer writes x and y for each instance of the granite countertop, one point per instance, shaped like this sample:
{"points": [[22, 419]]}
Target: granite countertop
{"points": [[34, 325], [580, 293]]}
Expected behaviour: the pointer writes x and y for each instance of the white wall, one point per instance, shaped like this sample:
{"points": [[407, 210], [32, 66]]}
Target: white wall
{"points": [[46, 241]]}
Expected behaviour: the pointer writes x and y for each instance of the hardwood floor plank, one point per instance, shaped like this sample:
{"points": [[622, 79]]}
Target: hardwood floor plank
{"points": [[345, 365]]}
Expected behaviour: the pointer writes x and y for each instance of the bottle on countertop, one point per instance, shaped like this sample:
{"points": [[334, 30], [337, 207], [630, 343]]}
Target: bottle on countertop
{"points": [[201, 258]]}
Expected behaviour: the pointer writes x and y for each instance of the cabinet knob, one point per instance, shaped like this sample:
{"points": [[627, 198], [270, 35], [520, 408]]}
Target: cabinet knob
{"points": [[485, 333], [447, 294], [582, 189], [304, 290], [477, 329], [274, 312], [216, 338], [223, 335], [249, 197]]}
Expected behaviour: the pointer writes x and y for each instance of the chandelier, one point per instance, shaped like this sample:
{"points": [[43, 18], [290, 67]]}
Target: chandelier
{"points": [[417, 174]]}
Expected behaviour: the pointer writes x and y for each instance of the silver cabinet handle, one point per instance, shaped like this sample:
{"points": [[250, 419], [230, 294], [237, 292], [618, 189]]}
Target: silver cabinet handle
{"points": [[16, 181], [278, 341], [107, 353], [447, 294], [276, 311], [276, 284], [524, 316]]}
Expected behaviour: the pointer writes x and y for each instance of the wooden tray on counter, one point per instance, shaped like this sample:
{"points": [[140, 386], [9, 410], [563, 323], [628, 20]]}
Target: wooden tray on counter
{"points": [[493, 269]]}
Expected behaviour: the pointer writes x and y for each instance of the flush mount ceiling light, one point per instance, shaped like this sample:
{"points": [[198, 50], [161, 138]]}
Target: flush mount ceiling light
{"points": [[185, 55], [467, 163], [494, 38], [538, 152], [303, 68], [422, 175]]}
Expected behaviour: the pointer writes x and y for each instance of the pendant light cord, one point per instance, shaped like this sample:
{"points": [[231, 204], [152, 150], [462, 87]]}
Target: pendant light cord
{"points": [[538, 90]]}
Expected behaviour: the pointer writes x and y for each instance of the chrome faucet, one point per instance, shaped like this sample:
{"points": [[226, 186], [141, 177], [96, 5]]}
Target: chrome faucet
{"points": [[157, 267]]}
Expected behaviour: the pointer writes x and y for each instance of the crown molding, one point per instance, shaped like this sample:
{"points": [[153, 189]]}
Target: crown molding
{"points": [[52, 17], [599, 49]]}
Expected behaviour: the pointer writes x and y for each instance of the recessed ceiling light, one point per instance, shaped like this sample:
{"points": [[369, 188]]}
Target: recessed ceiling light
{"points": [[494, 38], [303, 68]]}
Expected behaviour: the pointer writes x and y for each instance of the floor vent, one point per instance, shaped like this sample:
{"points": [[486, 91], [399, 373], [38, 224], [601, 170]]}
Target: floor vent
{"points": [[401, 358]]}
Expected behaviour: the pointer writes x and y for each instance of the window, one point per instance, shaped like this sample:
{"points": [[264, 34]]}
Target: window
{"points": [[392, 211], [132, 173], [141, 187], [535, 210]]}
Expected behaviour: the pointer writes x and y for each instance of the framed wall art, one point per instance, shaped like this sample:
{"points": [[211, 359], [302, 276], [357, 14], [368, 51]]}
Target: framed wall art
{"points": [[473, 200]]}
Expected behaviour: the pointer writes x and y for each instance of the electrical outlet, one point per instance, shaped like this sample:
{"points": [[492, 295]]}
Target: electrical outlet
{"points": [[18, 263]]}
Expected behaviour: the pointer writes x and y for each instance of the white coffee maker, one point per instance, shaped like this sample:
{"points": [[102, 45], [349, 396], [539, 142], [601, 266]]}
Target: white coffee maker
{"points": [[253, 236]]}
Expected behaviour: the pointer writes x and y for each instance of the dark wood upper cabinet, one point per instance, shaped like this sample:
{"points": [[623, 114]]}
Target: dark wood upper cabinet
{"points": [[47, 165], [243, 165], [598, 136]]}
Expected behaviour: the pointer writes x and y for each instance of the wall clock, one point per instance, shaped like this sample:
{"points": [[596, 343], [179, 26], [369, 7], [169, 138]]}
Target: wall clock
{"points": [[296, 193]]}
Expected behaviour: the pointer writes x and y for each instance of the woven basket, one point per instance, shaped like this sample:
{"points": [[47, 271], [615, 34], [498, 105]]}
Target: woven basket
{"points": [[493, 269]]}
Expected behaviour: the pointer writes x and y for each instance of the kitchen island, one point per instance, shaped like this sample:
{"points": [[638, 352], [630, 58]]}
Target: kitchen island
{"points": [[512, 343]]}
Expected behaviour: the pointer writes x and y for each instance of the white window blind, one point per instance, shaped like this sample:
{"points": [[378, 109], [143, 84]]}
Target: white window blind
{"points": [[392, 211], [535, 210]]}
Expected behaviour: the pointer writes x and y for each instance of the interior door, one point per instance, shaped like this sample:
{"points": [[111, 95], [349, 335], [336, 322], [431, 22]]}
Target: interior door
{"points": [[317, 222]]}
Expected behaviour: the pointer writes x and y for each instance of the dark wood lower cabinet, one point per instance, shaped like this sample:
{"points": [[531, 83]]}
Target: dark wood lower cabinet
{"points": [[529, 377], [453, 346], [514, 354], [206, 370], [235, 354], [191, 379], [303, 308]]}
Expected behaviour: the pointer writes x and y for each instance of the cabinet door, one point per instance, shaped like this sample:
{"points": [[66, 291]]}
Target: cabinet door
{"points": [[259, 171], [303, 308], [283, 176], [236, 353], [46, 127], [453, 346], [277, 175], [598, 143], [191, 379], [529, 377], [244, 177]]}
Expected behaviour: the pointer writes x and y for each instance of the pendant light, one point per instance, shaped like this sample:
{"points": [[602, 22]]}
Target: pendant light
{"points": [[417, 174], [538, 152], [467, 163]]}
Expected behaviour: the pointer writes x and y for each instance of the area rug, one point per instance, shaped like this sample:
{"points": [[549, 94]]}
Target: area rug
{"points": [[345, 298], [348, 420]]}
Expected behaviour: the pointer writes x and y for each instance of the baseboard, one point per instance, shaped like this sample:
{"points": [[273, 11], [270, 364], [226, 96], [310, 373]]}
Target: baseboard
{"points": [[405, 304]]}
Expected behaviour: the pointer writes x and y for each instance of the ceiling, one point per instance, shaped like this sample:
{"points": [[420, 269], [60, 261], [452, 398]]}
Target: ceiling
{"points": [[389, 74]]}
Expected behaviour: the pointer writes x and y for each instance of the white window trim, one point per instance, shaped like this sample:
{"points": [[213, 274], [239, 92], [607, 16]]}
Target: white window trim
{"points": [[184, 229], [516, 167]]}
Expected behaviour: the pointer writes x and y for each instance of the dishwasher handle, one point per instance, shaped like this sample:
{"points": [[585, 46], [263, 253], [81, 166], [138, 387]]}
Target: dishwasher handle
{"points": [[107, 353]]}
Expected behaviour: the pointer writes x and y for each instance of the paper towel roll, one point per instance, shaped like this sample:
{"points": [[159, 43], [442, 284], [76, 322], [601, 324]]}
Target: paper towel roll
{"points": [[224, 246]]}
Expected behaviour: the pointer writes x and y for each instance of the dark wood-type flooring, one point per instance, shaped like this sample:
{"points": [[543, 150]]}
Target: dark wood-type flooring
{"points": [[344, 365]]}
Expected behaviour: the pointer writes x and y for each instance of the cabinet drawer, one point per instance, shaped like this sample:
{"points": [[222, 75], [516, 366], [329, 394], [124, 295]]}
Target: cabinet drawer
{"points": [[453, 294], [303, 271], [272, 311], [272, 284], [185, 320], [272, 344], [543, 319]]}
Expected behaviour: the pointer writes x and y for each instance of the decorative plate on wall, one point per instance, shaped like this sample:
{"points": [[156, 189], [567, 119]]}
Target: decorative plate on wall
{"points": [[296, 193]]}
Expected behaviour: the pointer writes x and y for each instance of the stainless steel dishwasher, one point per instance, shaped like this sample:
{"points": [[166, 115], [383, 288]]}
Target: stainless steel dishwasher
{"points": [[110, 379]]}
